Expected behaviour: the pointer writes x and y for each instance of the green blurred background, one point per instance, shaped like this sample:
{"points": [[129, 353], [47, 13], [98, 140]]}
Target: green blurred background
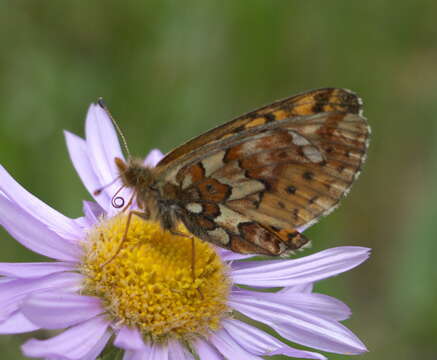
{"points": [[169, 70]]}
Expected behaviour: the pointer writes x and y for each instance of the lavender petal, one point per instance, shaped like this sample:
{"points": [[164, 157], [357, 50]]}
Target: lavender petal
{"points": [[13, 292], [229, 256], [78, 151], [142, 354], [129, 339], [93, 212], [98, 347], [307, 269], [102, 142], [320, 304], [260, 343], [34, 207], [153, 158], [206, 351], [57, 309], [35, 235], [135, 355], [34, 270], [103, 148], [77, 343], [227, 346], [299, 326], [158, 352], [177, 352], [17, 323]]}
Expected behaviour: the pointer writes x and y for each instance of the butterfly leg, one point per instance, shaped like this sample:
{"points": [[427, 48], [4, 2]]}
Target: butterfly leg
{"points": [[193, 250], [120, 245], [129, 203], [193, 263], [193, 258]]}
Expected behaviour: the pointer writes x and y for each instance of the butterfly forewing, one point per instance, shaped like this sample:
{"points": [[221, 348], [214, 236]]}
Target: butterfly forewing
{"points": [[252, 184], [308, 103]]}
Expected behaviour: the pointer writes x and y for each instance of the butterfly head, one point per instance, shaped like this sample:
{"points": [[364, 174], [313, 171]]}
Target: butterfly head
{"points": [[134, 174], [140, 178]]}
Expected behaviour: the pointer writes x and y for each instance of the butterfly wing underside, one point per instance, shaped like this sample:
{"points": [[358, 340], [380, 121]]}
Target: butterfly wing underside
{"points": [[308, 103], [254, 189]]}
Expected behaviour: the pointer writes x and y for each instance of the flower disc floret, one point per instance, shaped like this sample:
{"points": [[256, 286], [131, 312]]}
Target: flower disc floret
{"points": [[152, 283]]}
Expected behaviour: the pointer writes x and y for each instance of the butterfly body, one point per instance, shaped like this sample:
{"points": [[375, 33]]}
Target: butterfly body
{"points": [[252, 184]]}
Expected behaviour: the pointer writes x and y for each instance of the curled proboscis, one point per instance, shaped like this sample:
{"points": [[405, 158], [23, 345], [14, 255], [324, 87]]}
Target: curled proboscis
{"points": [[117, 202]]}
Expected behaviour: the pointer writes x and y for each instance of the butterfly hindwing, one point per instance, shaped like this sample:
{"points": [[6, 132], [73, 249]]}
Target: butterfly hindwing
{"points": [[234, 231]]}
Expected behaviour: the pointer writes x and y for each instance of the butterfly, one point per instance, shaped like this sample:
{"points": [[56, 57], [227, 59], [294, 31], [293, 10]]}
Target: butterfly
{"points": [[253, 184]]}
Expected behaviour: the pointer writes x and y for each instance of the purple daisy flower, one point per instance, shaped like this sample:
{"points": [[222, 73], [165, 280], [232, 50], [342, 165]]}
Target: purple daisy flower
{"points": [[146, 297]]}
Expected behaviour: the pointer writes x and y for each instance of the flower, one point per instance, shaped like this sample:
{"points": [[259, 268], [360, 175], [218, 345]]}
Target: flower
{"points": [[154, 297]]}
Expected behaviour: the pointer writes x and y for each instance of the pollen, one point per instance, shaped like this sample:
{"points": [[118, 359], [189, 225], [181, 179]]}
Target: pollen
{"points": [[153, 284]]}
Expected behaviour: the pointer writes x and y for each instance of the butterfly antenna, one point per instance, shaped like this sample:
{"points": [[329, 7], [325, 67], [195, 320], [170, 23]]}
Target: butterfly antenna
{"points": [[123, 139], [99, 190]]}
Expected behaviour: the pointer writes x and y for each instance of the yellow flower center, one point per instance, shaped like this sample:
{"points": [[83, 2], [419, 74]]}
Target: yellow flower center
{"points": [[150, 284]]}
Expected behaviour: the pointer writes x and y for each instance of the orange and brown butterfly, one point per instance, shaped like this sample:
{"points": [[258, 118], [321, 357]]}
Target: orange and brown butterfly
{"points": [[251, 185]]}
